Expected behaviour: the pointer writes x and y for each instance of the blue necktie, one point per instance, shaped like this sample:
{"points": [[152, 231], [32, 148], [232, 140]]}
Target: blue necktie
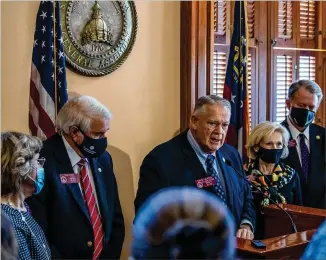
{"points": [[212, 172], [304, 156]]}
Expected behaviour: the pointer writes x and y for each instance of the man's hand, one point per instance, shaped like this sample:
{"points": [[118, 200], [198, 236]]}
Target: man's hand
{"points": [[245, 232]]}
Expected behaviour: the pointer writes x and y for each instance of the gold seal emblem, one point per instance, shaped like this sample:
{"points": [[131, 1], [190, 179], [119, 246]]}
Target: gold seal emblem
{"points": [[97, 35]]}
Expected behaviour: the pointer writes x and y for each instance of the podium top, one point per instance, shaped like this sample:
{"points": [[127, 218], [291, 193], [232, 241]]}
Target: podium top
{"points": [[276, 243], [300, 210]]}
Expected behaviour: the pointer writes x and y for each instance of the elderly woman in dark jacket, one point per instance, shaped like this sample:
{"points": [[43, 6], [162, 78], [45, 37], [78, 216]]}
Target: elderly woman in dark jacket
{"points": [[267, 144]]}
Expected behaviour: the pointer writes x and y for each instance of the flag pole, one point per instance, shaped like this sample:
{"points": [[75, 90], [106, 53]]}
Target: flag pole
{"points": [[55, 61], [247, 60]]}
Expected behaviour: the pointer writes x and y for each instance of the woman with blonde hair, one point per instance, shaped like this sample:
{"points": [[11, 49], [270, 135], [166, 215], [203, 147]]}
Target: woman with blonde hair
{"points": [[183, 223], [267, 144], [22, 175]]}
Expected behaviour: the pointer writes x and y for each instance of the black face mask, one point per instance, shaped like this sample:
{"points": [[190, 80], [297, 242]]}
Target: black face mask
{"points": [[302, 117], [92, 148], [270, 155]]}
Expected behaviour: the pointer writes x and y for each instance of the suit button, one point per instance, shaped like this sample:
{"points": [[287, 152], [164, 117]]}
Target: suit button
{"points": [[89, 243]]}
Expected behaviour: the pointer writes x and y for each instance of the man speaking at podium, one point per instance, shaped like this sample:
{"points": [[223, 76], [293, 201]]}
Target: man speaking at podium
{"points": [[307, 141], [198, 157]]}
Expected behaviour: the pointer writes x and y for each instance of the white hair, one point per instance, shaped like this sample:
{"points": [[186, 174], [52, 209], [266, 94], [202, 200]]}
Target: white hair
{"points": [[265, 130], [80, 111]]}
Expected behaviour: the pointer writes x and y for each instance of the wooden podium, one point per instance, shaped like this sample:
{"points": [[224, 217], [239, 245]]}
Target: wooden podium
{"points": [[279, 240], [278, 223]]}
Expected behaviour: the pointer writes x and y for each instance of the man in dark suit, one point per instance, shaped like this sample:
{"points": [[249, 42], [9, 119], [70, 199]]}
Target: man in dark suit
{"points": [[307, 141], [79, 207], [197, 157]]}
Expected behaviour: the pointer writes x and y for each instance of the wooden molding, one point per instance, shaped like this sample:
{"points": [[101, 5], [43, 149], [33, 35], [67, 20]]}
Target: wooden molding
{"points": [[196, 48]]}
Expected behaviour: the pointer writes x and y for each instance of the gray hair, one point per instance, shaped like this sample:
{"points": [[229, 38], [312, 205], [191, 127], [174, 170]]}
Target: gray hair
{"points": [[17, 153], [80, 111], [265, 130], [211, 100], [309, 85]]}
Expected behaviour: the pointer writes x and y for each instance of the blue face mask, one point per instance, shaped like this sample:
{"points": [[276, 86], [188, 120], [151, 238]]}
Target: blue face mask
{"points": [[39, 182]]}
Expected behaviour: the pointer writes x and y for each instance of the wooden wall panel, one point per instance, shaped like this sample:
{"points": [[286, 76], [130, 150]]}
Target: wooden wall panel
{"points": [[196, 50]]}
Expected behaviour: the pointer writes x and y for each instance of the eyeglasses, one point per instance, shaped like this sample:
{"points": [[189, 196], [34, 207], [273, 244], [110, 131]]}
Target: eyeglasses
{"points": [[39, 163]]}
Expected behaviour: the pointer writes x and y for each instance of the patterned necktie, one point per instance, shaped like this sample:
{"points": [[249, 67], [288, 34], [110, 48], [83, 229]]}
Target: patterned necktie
{"points": [[304, 156], [212, 172], [92, 209]]}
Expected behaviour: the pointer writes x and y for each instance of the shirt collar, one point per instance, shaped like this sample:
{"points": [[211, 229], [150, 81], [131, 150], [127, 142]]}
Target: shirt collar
{"points": [[196, 147], [295, 132], [73, 156]]}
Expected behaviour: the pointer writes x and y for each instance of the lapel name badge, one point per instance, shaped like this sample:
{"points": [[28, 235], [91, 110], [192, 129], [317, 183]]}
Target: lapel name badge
{"points": [[205, 182], [69, 178], [292, 143]]}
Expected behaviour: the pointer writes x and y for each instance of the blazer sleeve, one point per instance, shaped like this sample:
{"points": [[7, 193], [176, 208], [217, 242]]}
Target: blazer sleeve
{"points": [[118, 226], [150, 180], [249, 211]]}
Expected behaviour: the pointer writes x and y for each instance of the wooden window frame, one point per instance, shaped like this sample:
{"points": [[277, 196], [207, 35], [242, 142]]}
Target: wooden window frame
{"points": [[197, 47]]}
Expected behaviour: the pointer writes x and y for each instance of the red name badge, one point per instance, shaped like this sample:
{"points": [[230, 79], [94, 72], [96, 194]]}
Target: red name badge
{"points": [[69, 178], [205, 182]]}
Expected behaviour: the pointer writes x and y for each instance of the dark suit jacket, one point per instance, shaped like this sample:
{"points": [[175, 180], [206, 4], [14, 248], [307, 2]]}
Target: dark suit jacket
{"points": [[63, 214], [313, 191], [175, 163]]}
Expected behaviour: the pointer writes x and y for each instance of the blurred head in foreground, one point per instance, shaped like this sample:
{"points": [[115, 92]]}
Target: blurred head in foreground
{"points": [[183, 223]]}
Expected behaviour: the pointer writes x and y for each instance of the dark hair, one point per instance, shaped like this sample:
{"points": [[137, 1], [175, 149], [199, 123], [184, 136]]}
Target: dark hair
{"points": [[9, 246], [309, 85], [184, 223]]}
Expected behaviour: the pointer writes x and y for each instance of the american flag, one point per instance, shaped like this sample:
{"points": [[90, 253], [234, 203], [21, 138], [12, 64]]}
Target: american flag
{"points": [[48, 86], [235, 86]]}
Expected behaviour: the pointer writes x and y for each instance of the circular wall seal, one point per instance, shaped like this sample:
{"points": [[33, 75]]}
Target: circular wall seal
{"points": [[97, 35]]}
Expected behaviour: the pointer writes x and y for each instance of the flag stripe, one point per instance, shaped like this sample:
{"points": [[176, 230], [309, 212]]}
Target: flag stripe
{"points": [[46, 123], [32, 126], [45, 99], [44, 96]]}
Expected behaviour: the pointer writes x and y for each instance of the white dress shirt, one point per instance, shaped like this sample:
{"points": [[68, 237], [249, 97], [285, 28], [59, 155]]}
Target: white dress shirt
{"points": [[295, 135], [74, 160]]}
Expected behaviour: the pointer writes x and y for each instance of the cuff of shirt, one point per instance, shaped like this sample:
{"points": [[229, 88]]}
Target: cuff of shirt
{"points": [[246, 221]]}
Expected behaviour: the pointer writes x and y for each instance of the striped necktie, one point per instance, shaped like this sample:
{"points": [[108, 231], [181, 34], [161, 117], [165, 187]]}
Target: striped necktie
{"points": [[92, 209]]}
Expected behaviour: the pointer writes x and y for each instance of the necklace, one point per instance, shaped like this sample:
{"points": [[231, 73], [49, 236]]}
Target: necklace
{"points": [[12, 205]]}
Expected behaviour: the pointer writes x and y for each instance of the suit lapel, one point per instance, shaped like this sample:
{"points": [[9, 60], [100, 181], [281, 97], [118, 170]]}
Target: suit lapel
{"points": [[293, 153], [64, 166], [226, 175], [194, 169]]}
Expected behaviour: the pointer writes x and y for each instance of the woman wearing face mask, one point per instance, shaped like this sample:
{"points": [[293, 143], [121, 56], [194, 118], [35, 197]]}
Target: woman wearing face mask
{"points": [[267, 144], [22, 175]]}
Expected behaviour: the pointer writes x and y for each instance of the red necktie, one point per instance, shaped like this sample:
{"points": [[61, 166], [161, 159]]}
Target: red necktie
{"points": [[92, 209]]}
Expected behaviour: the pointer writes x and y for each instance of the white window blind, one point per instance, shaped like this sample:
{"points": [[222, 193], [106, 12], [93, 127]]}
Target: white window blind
{"points": [[285, 16], [283, 81], [307, 67], [251, 18], [220, 17], [219, 71], [307, 19]]}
